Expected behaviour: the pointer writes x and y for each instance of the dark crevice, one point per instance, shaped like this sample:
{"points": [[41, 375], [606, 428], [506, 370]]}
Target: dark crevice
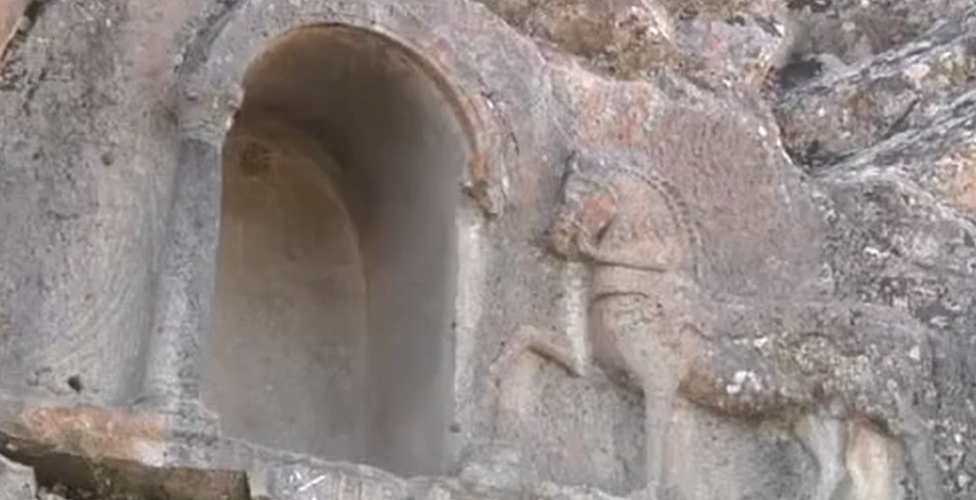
{"points": [[814, 160], [797, 71], [900, 124], [35, 9], [816, 6], [74, 382]]}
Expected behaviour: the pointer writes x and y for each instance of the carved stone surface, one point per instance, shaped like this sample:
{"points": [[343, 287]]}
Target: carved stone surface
{"points": [[16, 481], [488, 249]]}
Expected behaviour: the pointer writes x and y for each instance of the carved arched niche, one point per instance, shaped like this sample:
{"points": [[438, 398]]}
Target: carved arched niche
{"points": [[337, 254]]}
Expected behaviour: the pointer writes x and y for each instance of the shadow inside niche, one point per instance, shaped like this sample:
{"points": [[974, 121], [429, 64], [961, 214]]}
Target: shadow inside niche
{"points": [[336, 267]]}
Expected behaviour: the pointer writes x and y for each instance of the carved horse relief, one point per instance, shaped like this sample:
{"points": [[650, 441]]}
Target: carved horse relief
{"points": [[824, 367]]}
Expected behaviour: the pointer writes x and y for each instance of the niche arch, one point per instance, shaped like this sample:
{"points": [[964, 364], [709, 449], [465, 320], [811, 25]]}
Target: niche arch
{"points": [[337, 255]]}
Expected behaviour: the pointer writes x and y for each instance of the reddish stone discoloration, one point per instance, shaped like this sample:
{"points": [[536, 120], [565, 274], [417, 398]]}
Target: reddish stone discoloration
{"points": [[967, 196], [483, 178], [575, 228], [10, 12], [962, 186], [610, 115], [91, 432]]}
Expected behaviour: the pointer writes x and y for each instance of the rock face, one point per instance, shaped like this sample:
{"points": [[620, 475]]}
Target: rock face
{"points": [[654, 249]]}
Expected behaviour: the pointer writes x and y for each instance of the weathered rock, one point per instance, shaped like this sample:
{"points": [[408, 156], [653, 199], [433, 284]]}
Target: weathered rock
{"points": [[500, 249], [854, 31], [895, 242], [709, 41], [889, 143], [626, 38], [745, 47], [850, 109], [16, 481]]}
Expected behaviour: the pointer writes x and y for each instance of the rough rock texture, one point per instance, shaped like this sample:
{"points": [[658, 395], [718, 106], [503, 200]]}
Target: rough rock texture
{"points": [[850, 109], [633, 39], [675, 249], [889, 139], [16, 481], [853, 31]]}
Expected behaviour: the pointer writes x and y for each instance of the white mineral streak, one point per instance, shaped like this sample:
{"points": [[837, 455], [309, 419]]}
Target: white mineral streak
{"points": [[574, 305], [474, 254]]}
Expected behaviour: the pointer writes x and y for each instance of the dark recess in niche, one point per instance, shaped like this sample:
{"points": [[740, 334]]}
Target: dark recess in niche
{"points": [[337, 260]]}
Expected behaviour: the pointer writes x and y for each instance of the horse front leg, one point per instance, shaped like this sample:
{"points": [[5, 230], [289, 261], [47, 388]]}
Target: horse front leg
{"points": [[825, 437], [660, 394], [548, 344]]}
